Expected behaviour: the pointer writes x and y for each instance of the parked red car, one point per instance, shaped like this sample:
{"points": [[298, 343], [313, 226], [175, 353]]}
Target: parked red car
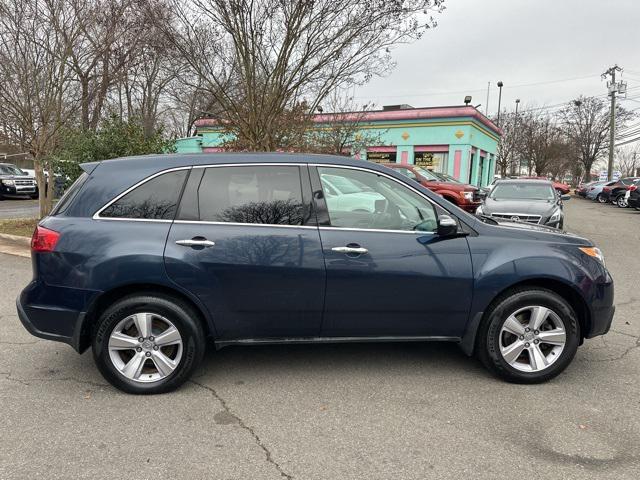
{"points": [[563, 188], [463, 195]]}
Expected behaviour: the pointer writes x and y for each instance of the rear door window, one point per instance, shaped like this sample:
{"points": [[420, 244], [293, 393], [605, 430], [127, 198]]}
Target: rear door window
{"points": [[252, 194], [156, 199]]}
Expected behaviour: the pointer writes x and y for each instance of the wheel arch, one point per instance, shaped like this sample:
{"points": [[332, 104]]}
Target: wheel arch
{"points": [[565, 290], [108, 297]]}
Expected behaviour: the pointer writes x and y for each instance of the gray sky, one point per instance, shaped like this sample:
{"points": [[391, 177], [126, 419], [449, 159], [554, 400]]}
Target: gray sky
{"points": [[521, 42]]}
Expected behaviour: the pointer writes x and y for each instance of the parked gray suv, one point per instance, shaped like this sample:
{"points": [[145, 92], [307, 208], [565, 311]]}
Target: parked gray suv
{"points": [[530, 201]]}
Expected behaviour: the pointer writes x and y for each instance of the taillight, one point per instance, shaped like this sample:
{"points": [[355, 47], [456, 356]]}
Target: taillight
{"points": [[44, 240], [632, 188]]}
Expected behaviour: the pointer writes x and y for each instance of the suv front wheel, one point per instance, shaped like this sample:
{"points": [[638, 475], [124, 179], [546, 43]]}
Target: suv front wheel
{"points": [[148, 343], [528, 336]]}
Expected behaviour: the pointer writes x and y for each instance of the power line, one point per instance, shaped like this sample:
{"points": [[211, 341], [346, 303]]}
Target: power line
{"points": [[430, 94]]}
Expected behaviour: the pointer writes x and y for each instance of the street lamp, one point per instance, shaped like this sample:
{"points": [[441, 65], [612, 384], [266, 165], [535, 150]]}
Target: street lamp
{"points": [[499, 100]]}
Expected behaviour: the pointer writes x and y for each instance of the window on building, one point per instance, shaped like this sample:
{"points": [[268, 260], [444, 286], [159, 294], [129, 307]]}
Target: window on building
{"points": [[156, 199], [375, 202], [382, 157], [252, 194]]}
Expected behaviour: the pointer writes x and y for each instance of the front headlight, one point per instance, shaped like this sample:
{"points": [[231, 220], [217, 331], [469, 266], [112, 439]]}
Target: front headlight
{"points": [[8, 182], [594, 252], [467, 195], [556, 216]]}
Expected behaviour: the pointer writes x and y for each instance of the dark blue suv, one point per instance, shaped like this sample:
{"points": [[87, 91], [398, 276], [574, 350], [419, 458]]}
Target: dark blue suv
{"points": [[146, 258]]}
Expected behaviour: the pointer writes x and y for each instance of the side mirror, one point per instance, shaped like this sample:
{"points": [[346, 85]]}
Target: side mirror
{"points": [[447, 226], [565, 197]]}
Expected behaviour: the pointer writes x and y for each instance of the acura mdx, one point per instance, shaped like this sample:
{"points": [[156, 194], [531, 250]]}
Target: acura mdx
{"points": [[145, 259]]}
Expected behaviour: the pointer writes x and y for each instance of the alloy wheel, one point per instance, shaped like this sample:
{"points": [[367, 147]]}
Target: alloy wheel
{"points": [[601, 198], [145, 347], [532, 338], [621, 202]]}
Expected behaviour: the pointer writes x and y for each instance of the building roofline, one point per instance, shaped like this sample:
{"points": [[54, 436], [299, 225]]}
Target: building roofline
{"points": [[418, 113]]}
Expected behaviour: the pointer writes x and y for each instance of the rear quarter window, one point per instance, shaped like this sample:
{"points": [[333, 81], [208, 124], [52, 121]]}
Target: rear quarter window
{"points": [[70, 194]]}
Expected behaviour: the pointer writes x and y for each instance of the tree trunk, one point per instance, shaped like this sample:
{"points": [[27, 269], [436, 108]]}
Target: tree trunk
{"points": [[45, 202]]}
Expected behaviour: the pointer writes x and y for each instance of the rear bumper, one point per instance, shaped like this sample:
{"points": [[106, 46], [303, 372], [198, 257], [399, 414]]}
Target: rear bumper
{"points": [[634, 202], [51, 313]]}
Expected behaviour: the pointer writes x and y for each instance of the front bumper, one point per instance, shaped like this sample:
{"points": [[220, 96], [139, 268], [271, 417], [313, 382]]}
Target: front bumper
{"points": [[602, 308], [19, 190], [470, 207]]}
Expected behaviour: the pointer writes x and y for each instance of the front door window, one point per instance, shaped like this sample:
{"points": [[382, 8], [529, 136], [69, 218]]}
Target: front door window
{"points": [[366, 200]]}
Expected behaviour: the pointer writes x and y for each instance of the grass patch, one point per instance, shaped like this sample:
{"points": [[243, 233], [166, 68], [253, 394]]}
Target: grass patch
{"points": [[18, 226]]}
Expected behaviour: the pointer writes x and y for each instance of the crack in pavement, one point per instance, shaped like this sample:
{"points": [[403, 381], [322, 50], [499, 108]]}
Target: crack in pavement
{"points": [[24, 381], [246, 427], [615, 359]]}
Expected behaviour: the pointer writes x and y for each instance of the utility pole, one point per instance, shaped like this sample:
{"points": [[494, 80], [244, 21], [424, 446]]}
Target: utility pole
{"points": [[613, 88]]}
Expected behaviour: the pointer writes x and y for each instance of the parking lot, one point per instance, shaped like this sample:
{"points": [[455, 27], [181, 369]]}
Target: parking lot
{"points": [[402, 411], [18, 208]]}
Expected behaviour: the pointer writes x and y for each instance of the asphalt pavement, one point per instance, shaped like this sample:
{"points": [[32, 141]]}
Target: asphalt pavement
{"points": [[18, 208], [397, 411]]}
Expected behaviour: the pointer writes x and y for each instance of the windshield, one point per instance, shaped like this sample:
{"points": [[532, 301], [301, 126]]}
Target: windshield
{"points": [[10, 170], [447, 178], [522, 191], [428, 174]]}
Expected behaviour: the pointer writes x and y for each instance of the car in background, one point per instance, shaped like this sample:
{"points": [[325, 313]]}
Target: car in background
{"points": [[563, 188], [614, 192], [465, 196], [632, 196], [594, 192], [346, 194], [15, 183], [582, 188], [528, 201]]}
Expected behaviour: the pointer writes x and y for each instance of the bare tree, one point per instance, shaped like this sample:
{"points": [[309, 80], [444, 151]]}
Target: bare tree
{"points": [[508, 147], [263, 59], [36, 98], [627, 161], [542, 142], [340, 130], [585, 121]]}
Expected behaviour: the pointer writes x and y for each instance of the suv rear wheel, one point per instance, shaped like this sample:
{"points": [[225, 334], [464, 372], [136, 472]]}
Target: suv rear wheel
{"points": [[148, 343], [528, 336]]}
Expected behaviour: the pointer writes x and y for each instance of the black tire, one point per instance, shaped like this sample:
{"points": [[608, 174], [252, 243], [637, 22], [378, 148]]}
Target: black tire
{"points": [[488, 347], [34, 196], [600, 198], [620, 201], [185, 319]]}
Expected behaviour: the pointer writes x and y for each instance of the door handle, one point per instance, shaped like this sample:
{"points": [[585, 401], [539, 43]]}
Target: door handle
{"points": [[196, 243], [359, 250]]}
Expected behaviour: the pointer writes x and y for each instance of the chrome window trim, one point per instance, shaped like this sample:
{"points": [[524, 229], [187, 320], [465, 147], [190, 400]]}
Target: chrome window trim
{"points": [[96, 216], [378, 230], [236, 224]]}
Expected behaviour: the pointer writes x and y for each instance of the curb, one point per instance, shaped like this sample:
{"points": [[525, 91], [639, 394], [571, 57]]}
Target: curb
{"points": [[15, 245], [16, 238]]}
